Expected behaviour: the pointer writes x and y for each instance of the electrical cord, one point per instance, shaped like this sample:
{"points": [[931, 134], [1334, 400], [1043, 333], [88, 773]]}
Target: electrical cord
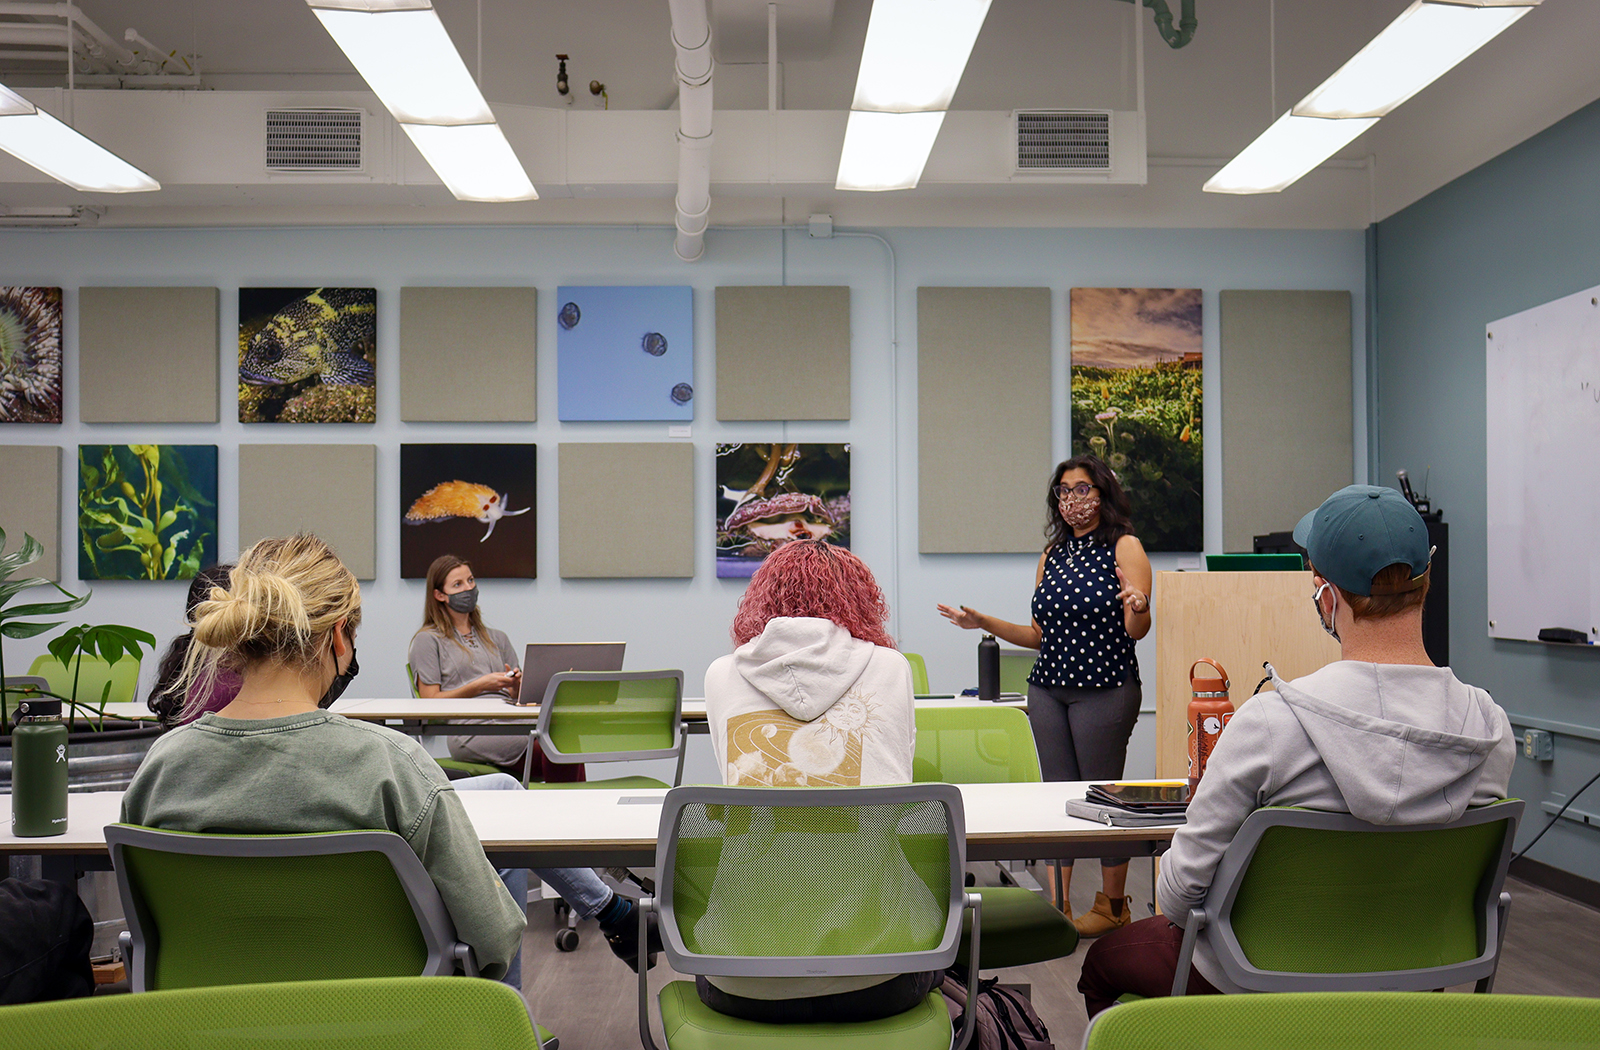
{"points": [[1570, 800]]}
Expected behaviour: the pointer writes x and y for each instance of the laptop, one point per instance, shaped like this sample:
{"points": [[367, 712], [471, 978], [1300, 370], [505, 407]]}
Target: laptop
{"points": [[541, 660]]}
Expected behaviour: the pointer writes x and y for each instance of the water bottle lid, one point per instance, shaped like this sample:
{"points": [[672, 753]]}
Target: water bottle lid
{"points": [[39, 707]]}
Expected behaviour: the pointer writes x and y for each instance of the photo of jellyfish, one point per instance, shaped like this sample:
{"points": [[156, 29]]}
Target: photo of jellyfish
{"points": [[146, 512], [625, 352], [307, 355], [1136, 403], [30, 355], [473, 501], [768, 495]]}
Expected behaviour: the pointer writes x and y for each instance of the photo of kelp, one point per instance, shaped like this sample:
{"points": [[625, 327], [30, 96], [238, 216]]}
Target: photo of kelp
{"points": [[768, 495], [307, 355], [1136, 403], [30, 355], [625, 352], [146, 512], [473, 501]]}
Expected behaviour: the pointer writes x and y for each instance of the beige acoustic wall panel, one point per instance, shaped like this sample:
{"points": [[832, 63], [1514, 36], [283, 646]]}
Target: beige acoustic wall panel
{"points": [[1287, 438], [612, 525], [783, 353], [326, 489], [983, 418], [147, 355], [467, 355], [30, 502]]}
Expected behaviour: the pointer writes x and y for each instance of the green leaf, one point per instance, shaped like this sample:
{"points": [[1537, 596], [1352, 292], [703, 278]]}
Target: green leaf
{"points": [[63, 647], [43, 608], [30, 551], [110, 647], [10, 588], [27, 630]]}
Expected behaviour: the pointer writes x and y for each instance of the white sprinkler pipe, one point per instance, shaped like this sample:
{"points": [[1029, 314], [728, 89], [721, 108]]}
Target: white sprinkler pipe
{"points": [[691, 35]]}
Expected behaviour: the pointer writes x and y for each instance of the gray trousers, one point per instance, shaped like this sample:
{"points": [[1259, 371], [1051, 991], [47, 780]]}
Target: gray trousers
{"points": [[1082, 734]]}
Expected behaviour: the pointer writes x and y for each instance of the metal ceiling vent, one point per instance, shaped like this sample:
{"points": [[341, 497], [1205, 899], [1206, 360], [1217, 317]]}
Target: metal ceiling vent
{"points": [[1063, 140], [313, 139]]}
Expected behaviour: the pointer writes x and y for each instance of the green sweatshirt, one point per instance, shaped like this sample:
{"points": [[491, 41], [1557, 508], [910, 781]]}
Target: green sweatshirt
{"points": [[322, 772]]}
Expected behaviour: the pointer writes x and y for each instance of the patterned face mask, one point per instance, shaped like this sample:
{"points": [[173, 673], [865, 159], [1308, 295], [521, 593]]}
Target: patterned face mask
{"points": [[1078, 511]]}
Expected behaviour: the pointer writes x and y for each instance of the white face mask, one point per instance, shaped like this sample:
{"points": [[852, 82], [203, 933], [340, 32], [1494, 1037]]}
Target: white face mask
{"points": [[1328, 624]]}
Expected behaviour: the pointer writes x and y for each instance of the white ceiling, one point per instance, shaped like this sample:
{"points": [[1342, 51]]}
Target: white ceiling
{"points": [[1205, 102]]}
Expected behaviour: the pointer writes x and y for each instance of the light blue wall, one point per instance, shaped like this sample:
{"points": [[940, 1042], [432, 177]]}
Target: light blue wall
{"points": [[681, 623], [1521, 230]]}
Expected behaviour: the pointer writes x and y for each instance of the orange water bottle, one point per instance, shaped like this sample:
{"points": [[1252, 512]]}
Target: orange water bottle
{"points": [[1209, 712]]}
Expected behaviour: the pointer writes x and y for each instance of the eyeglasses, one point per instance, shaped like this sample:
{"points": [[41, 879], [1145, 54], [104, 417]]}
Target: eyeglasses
{"points": [[1082, 488]]}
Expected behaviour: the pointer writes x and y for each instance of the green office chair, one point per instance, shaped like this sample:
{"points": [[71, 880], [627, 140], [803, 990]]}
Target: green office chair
{"points": [[1349, 1021], [769, 882], [611, 716], [1304, 901], [205, 910], [979, 744], [374, 1014], [459, 767], [1015, 666], [919, 673], [94, 676]]}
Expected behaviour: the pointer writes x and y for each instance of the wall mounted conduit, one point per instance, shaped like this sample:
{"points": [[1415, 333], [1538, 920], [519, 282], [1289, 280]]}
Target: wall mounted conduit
{"points": [[691, 36]]}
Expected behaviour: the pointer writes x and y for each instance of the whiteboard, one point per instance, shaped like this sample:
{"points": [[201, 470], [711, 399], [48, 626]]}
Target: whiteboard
{"points": [[1544, 468]]}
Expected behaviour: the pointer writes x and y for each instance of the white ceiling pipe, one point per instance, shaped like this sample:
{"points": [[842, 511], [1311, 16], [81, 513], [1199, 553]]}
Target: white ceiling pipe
{"points": [[691, 36]]}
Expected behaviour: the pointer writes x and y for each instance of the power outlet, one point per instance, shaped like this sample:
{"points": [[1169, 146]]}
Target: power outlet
{"points": [[1538, 744]]}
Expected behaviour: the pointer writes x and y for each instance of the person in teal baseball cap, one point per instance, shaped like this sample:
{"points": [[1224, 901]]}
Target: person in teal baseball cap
{"points": [[1369, 543]]}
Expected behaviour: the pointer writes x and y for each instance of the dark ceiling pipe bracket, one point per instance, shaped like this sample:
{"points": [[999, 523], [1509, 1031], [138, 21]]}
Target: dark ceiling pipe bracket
{"points": [[1184, 32]]}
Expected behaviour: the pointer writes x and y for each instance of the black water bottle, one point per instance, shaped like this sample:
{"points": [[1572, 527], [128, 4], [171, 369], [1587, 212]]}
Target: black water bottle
{"points": [[988, 668]]}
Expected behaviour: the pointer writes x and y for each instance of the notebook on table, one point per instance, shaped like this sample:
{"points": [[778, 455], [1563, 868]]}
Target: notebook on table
{"points": [[542, 660], [1133, 804]]}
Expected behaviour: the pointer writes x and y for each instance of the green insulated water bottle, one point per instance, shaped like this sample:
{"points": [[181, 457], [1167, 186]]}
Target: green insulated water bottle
{"points": [[39, 770]]}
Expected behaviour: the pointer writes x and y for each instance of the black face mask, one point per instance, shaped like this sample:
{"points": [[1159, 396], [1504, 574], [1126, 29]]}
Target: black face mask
{"points": [[341, 680]]}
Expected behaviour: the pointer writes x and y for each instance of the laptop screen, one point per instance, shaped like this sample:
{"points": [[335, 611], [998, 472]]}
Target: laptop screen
{"points": [[541, 660]]}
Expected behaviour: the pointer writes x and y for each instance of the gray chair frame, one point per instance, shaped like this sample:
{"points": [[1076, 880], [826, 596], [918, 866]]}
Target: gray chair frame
{"points": [[1239, 975], [541, 732], [445, 952], [682, 960]]}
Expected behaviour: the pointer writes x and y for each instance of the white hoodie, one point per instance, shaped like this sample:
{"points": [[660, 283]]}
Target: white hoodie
{"points": [[1388, 743]]}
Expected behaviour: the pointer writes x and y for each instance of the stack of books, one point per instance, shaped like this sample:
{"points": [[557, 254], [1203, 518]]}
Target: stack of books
{"points": [[1133, 803]]}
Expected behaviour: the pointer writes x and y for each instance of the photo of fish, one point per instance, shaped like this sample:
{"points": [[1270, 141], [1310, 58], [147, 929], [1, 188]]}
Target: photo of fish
{"points": [[1136, 360], [473, 501], [30, 355], [308, 355], [146, 512], [625, 352], [768, 495]]}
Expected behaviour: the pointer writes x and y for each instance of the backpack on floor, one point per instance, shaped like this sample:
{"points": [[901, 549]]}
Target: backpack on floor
{"points": [[1005, 1021]]}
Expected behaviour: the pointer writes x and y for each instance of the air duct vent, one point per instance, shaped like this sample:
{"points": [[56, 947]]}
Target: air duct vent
{"points": [[1050, 140], [313, 140]]}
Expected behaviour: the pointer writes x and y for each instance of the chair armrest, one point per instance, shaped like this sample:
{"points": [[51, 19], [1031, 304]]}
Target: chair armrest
{"points": [[1191, 932], [468, 960], [969, 1017], [646, 905]]}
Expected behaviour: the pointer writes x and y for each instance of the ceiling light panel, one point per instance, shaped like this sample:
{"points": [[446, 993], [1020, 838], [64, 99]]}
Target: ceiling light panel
{"points": [[474, 160], [407, 58], [886, 151], [36, 138], [915, 53], [1284, 152]]}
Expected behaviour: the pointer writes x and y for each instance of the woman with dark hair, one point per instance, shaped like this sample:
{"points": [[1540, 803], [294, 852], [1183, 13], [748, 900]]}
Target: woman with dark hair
{"points": [[169, 703], [1091, 602]]}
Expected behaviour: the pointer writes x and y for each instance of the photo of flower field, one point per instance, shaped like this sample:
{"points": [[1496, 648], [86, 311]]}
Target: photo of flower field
{"points": [[1136, 403]]}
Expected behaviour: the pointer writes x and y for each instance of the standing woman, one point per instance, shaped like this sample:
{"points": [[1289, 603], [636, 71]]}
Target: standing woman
{"points": [[456, 655], [1091, 602]]}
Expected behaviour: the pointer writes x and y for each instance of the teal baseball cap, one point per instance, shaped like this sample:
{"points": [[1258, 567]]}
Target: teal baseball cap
{"points": [[1361, 530]]}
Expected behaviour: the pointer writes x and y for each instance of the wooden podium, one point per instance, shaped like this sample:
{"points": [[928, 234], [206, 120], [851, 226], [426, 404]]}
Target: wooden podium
{"points": [[1238, 619]]}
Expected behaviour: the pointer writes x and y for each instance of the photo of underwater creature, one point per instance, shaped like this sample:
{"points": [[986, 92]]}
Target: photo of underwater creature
{"points": [[473, 501], [146, 512], [1136, 403], [30, 355], [307, 355], [625, 352], [768, 495]]}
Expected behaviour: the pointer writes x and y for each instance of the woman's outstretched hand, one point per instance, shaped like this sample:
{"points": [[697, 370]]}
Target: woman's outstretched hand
{"points": [[961, 616], [1132, 600]]}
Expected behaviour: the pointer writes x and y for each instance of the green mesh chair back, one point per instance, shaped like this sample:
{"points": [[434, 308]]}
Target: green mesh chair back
{"points": [[395, 1013], [1309, 901], [1015, 666], [94, 677], [974, 744], [919, 673], [411, 682], [244, 909], [612, 716], [1350, 1021]]}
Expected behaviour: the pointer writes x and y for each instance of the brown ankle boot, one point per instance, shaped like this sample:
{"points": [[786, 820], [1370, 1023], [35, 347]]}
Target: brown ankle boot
{"points": [[1099, 919]]}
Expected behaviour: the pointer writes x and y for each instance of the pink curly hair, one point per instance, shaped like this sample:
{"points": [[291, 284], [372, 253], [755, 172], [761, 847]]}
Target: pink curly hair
{"points": [[814, 578]]}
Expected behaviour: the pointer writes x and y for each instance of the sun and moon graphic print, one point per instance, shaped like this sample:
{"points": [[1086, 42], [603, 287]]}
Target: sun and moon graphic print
{"points": [[774, 749]]}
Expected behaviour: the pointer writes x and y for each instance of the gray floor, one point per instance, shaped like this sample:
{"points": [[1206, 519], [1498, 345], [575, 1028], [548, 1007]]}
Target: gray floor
{"points": [[587, 997]]}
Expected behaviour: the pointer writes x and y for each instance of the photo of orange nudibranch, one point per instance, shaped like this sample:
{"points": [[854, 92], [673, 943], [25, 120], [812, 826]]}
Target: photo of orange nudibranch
{"points": [[461, 499]]}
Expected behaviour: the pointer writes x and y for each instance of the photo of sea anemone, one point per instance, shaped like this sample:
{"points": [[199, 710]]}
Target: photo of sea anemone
{"points": [[307, 355], [146, 512], [625, 352], [473, 501], [1136, 403], [768, 495], [30, 355]]}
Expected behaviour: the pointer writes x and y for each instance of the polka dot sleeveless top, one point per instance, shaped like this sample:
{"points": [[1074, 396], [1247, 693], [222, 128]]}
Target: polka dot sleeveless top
{"points": [[1082, 641]]}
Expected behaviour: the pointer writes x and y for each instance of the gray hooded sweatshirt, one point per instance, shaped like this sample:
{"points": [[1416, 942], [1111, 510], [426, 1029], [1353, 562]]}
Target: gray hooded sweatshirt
{"points": [[1388, 743]]}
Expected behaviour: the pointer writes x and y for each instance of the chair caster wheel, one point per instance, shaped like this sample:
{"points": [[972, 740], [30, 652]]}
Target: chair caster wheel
{"points": [[972, 880], [567, 940]]}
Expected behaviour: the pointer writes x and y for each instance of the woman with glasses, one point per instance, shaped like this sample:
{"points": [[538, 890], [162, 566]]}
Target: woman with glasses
{"points": [[1091, 602]]}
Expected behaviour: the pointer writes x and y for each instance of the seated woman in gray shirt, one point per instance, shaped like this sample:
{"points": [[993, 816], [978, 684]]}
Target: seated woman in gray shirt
{"points": [[455, 654]]}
